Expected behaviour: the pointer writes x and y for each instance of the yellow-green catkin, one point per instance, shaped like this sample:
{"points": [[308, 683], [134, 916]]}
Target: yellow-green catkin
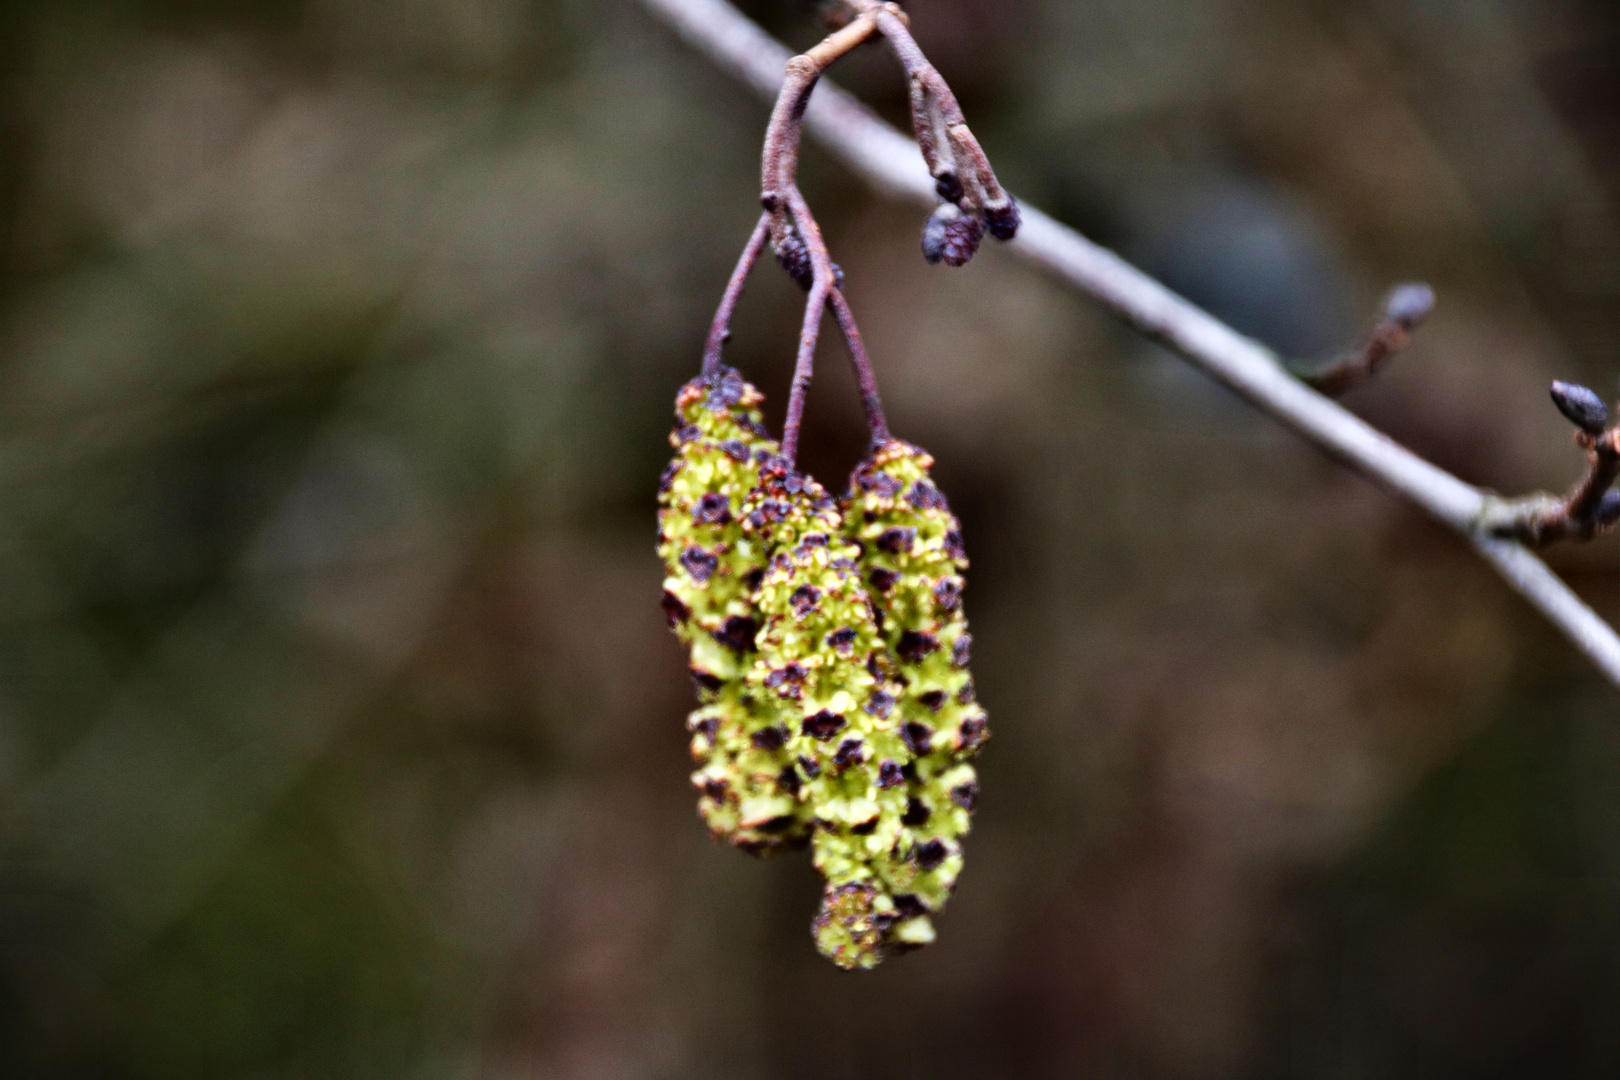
{"points": [[818, 671], [712, 567], [912, 561]]}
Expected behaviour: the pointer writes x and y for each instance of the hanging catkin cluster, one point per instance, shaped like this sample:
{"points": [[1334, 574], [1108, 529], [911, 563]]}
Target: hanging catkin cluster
{"points": [[827, 639], [830, 654]]}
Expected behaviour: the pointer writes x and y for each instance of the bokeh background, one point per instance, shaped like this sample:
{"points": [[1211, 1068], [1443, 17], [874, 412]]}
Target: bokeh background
{"points": [[340, 732]]}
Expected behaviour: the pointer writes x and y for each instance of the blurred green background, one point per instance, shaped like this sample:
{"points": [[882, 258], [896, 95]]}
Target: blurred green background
{"points": [[340, 732]]}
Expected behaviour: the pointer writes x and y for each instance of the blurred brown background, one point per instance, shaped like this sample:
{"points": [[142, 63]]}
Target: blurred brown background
{"points": [[340, 733]]}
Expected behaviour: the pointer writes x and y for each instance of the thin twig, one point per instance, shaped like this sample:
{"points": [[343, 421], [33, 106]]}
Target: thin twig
{"points": [[821, 289], [893, 163], [1404, 312], [804, 368], [720, 329], [876, 423]]}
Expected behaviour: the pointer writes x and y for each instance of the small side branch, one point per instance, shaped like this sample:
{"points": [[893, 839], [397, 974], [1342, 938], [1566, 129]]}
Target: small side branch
{"points": [[1404, 312], [720, 329]]}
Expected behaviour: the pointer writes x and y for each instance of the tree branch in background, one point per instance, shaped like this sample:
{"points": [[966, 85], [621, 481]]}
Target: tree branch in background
{"points": [[1497, 529]]}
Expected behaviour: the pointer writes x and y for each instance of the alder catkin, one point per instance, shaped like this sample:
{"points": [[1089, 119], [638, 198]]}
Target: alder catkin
{"points": [[712, 566], [819, 667], [830, 655], [913, 562]]}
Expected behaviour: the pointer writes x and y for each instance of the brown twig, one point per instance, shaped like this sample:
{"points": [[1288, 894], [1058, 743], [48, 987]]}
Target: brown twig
{"points": [[893, 163], [1404, 312], [795, 234], [876, 423], [720, 329], [788, 221]]}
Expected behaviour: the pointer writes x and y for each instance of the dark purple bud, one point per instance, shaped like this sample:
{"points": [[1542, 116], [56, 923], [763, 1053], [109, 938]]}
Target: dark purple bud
{"points": [[948, 186], [849, 753], [700, 564], [962, 651], [804, 600], [1608, 511], [890, 776], [919, 737], [675, 611], [795, 258], [671, 471], [916, 814], [1004, 220], [824, 725], [951, 237], [896, 541], [771, 738], [909, 906], [737, 633], [726, 389], [933, 700], [931, 854], [842, 639], [1581, 407], [789, 780], [914, 645], [925, 496], [966, 795], [962, 239], [712, 509], [706, 682]]}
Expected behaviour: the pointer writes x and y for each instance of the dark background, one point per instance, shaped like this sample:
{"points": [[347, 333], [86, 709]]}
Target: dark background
{"points": [[340, 733]]}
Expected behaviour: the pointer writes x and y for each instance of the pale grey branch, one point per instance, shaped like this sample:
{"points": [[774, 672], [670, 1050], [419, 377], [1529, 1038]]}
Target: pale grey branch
{"points": [[892, 162]]}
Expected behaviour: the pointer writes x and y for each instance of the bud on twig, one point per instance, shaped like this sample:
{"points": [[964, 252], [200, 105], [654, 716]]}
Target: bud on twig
{"points": [[951, 237], [794, 257], [1003, 219], [1581, 407], [1409, 305], [1608, 511]]}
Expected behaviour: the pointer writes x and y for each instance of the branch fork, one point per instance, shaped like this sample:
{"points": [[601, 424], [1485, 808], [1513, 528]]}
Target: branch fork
{"points": [[1592, 507], [972, 202]]}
